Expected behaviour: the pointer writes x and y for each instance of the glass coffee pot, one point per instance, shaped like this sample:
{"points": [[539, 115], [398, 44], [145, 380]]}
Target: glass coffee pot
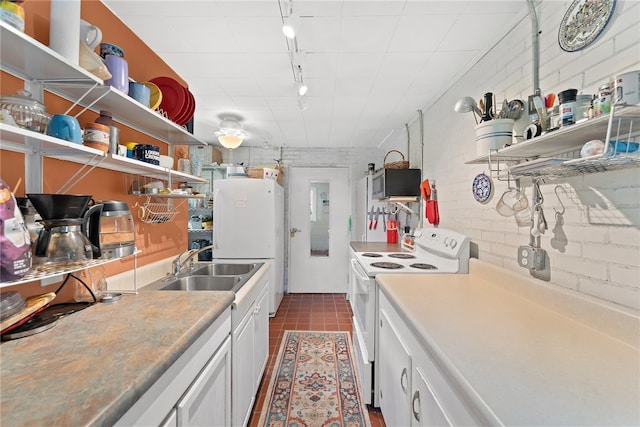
{"points": [[71, 230]]}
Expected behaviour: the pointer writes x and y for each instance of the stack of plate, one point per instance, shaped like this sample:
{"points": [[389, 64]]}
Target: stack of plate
{"points": [[177, 101]]}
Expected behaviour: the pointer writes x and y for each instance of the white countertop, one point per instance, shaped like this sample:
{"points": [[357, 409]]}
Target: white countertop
{"points": [[525, 352]]}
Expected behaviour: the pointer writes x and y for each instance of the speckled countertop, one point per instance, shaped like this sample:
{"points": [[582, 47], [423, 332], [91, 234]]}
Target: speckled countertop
{"points": [[525, 352], [92, 366]]}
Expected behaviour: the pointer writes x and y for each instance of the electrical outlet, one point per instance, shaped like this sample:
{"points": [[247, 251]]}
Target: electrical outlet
{"points": [[531, 258]]}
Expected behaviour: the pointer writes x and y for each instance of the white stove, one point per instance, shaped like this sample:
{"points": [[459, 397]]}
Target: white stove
{"points": [[437, 251]]}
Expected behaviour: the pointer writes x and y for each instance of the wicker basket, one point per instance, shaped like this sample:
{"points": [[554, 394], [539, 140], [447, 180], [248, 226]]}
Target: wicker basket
{"points": [[259, 173], [402, 164], [255, 173]]}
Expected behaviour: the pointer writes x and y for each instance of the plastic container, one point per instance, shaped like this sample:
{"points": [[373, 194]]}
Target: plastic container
{"points": [[568, 107], [26, 111], [13, 14]]}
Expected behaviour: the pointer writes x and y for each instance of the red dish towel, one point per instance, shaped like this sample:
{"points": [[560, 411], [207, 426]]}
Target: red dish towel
{"points": [[433, 216]]}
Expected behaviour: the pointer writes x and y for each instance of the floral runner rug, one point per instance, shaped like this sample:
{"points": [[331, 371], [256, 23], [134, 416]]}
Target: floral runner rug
{"points": [[314, 383]]}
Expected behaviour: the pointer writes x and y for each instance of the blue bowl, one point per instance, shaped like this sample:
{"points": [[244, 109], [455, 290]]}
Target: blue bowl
{"points": [[110, 49], [624, 147]]}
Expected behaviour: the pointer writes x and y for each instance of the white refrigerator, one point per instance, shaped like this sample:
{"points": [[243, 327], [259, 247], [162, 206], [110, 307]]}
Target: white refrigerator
{"points": [[248, 225]]}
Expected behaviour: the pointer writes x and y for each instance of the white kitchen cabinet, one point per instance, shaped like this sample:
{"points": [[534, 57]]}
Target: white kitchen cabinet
{"points": [[430, 399], [250, 348], [425, 407], [395, 373], [207, 402], [196, 389], [261, 335]]}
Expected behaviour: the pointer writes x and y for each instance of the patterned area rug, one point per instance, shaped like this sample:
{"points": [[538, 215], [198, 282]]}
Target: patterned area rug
{"points": [[314, 383]]}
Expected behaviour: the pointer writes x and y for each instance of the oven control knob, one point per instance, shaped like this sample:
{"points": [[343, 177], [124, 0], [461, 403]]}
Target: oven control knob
{"points": [[453, 243]]}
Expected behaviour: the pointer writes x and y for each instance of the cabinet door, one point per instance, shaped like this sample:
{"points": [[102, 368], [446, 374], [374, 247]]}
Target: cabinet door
{"points": [[425, 408], [261, 314], [243, 352], [395, 374], [207, 402], [171, 420]]}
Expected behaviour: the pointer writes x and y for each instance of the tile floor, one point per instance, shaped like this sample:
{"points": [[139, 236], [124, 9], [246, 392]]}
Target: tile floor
{"points": [[311, 312]]}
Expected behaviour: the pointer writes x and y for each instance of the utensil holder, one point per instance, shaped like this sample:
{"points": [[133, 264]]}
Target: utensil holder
{"points": [[493, 135]]}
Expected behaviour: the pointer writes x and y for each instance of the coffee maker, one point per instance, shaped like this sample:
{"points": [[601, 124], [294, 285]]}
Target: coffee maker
{"points": [[71, 234]]}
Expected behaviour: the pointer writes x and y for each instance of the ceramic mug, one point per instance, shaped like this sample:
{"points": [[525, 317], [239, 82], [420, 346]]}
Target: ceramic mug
{"points": [[140, 93], [90, 34], [65, 127], [119, 70]]}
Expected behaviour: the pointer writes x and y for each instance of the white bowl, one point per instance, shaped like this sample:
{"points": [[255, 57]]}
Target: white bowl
{"points": [[166, 161]]}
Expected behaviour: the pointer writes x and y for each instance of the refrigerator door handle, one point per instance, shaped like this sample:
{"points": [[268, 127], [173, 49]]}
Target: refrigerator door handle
{"points": [[216, 215]]}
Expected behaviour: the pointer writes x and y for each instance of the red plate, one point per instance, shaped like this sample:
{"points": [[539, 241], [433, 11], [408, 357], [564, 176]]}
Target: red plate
{"points": [[185, 108], [173, 96], [190, 110]]}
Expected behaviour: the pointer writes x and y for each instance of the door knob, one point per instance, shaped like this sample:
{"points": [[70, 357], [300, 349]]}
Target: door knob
{"points": [[293, 231]]}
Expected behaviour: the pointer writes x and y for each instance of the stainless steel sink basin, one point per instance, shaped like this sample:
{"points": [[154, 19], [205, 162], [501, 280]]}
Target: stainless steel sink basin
{"points": [[204, 283], [208, 277], [222, 269]]}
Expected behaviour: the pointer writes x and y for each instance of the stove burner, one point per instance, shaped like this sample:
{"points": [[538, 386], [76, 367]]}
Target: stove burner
{"points": [[371, 255], [387, 265], [402, 256], [424, 266]]}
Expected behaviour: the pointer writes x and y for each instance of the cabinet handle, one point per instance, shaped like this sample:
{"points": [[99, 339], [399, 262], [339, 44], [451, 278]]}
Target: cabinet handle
{"points": [[416, 396], [403, 375], [256, 311]]}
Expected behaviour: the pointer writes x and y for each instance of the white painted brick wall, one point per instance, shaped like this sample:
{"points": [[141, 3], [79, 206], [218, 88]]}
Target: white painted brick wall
{"points": [[602, 211]]}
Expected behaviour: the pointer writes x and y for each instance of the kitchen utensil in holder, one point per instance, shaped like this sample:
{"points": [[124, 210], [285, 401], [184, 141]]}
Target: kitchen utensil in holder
{"points": [[156, 213], [402, 164]]}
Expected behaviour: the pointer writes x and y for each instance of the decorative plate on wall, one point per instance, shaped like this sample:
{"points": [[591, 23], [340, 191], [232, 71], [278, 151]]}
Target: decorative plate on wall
{"points": [[482, 188], [583, 22]]}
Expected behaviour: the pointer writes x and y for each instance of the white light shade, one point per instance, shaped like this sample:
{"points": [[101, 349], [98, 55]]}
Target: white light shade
{"points": [[290, 26], [230, 141]]}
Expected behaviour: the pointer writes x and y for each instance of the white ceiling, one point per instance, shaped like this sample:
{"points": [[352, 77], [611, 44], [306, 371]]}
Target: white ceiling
{"points": [[369, 65]]}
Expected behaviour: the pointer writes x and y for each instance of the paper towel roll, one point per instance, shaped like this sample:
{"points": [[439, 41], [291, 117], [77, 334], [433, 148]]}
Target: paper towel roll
{"points": [[64, 29]]}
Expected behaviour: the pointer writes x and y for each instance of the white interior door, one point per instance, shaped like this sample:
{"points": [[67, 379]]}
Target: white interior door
{"points": [[319, 230]]}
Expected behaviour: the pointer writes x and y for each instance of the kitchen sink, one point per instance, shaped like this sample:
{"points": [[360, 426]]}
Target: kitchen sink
{"points": [[204, 283], [207, 277], [222, 269]]}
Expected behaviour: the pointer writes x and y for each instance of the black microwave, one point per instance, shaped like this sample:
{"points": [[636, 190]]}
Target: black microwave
{"points": [[389, 183]]}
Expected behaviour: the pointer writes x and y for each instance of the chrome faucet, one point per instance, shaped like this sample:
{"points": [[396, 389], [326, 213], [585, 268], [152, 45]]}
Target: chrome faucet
{"points": [[178, 263]]}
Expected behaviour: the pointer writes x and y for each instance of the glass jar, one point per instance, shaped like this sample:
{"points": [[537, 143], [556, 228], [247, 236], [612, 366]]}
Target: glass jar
{"points": [[26, 111], [12, 13]]}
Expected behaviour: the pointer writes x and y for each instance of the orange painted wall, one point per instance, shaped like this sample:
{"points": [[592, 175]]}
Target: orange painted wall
{"points": [[156, 241]]}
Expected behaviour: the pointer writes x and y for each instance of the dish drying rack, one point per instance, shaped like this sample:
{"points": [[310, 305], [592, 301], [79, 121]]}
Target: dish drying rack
{"points": [[155, 212]]}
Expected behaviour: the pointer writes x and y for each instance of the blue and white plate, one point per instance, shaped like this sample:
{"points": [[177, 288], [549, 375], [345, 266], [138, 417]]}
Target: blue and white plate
{"points": [[482, 188]]}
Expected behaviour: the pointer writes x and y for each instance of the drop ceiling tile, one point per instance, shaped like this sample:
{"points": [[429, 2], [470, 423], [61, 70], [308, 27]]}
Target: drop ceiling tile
{"points": [[358, 65], [373, 8], [319, 34], [442, 7], [354, 87], [420, 33], [351, 39]]}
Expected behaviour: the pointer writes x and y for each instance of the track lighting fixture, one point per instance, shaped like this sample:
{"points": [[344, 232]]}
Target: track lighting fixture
{"points": [[290, 26]]}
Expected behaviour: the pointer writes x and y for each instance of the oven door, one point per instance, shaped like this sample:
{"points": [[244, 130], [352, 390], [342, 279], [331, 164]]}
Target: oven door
{"points": [[364, 306]]}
